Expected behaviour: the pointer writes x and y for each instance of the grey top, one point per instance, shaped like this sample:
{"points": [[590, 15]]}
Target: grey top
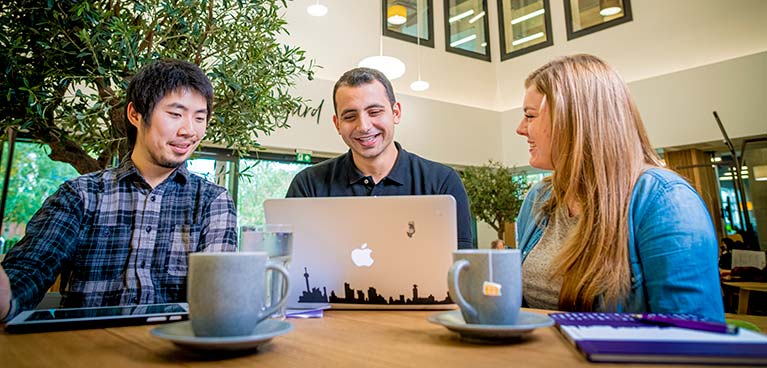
{"points": [[539, 289]]}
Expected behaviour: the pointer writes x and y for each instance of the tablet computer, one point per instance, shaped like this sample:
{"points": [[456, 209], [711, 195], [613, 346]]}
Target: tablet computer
{"points": [[96, 317]]}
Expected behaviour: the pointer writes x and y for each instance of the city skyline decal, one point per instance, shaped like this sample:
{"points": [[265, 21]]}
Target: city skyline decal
{"points": [[352, 296]]}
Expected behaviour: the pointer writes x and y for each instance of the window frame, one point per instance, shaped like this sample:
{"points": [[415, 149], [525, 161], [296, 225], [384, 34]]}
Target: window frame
{"points": [[627, 17], [462, 52], [406, 37], [502, 33], [223, 154]]}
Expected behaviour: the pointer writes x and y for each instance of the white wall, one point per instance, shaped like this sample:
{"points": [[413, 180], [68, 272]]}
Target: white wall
{"points": [[439, 131], [351, 31], [676, 108], [682, 59], [485, 235], [665, 36]]}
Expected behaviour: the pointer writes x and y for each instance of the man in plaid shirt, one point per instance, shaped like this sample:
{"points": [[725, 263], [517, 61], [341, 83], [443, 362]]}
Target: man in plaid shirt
{"points": [[122, 235]]}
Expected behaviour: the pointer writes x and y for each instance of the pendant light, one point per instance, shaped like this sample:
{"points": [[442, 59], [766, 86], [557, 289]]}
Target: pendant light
{"points": [[609, 7], [420, 84], [396, 14], [317, 9], [390, 66]]}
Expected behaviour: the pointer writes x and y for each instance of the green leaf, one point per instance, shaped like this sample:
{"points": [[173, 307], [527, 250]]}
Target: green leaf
{"points": [[89, 45], [495, 193]]}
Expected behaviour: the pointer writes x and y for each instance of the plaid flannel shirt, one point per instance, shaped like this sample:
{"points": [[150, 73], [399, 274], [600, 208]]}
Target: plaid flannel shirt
{"points": [[117, 241]]}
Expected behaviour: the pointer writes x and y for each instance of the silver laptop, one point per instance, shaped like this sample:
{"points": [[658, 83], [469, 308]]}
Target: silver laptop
{"points": [[390, 252]]}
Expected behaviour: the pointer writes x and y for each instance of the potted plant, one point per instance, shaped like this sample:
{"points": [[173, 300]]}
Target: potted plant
{"points": [[495, 194]]}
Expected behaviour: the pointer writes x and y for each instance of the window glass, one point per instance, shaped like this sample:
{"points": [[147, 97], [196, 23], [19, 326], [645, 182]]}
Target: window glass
{"points": [[589, 16], [219, 169], [203, 167], [466, 28], [403, 18], [33, 178], [533, 178], [261, 180], [525, 26], [732, 207]]}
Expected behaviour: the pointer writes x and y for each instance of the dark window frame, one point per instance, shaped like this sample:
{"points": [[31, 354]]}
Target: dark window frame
{"points": [[502, 29], [627, 17], [405, 37], [225, 154], [462, 52]]}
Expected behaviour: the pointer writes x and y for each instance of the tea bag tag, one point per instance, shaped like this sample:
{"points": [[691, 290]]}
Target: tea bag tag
{"points": [[490, 288]]}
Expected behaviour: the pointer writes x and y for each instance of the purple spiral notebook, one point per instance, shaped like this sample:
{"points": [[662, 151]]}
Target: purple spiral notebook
{"points": [[618, 337]]}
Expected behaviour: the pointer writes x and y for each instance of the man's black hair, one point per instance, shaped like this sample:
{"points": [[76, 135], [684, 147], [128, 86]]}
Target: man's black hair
{"points": [[359, 76], [159, 78]]}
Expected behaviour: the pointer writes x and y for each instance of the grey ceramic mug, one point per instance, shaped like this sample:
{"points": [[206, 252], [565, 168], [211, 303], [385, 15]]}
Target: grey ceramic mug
{"points": [[487, 295], [227, 292]]}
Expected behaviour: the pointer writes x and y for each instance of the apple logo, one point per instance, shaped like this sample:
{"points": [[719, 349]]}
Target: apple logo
{"points": [[361, 256]]}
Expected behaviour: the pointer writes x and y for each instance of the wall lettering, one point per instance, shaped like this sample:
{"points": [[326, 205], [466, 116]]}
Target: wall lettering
{"points": [[311, 111]]}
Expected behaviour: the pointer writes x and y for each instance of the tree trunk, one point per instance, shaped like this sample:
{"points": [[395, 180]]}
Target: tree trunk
{"points": [[73, 154]]}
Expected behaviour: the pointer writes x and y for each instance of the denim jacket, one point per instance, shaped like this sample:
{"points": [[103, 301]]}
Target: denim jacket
{"points": [[672, 246]]}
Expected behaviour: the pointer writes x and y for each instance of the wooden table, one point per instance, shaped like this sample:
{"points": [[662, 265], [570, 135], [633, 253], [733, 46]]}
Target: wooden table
{"points": [[340, 339], [744, 291], [758, 321]]}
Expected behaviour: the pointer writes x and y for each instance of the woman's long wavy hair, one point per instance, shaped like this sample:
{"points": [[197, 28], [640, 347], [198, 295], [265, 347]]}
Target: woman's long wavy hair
{"points": [[599, 149]]}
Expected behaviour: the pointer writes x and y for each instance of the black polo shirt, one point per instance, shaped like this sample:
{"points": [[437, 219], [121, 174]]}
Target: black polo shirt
{"points": [[411, 175]]}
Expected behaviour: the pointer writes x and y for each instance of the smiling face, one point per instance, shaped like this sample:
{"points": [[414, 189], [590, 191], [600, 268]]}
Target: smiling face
{"points": [[365, 119], [536, 126], [173, 131]]}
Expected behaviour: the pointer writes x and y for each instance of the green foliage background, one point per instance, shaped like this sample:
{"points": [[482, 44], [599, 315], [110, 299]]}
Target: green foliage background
{"points": [[495, 193], [260, 181], [65, 66], [33, 179]]}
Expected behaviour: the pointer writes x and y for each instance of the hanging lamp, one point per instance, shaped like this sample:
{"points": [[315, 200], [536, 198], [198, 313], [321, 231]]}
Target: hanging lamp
{"points": [[396, 14], [609, 7], [317, 9], [390, 66], [420, 84]]}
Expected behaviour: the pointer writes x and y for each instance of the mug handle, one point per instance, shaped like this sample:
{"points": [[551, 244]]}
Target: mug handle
{"points": [[284, 299], [452, 284]]}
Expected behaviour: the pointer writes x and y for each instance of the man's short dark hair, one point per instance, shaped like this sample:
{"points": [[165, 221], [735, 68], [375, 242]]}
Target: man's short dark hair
{"points": [[159, 78], [359, 76]]}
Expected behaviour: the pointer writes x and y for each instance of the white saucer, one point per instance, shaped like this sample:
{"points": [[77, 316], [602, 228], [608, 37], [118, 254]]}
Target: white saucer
{"points": [[181, 334], [526, 323]]}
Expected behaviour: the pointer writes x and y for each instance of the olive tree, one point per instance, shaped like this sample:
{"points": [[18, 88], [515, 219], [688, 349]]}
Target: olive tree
{"points": [[495, 194], [66, 64]]}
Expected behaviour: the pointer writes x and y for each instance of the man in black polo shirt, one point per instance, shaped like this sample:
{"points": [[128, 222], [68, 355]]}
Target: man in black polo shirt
{"points": [[375, 165]]}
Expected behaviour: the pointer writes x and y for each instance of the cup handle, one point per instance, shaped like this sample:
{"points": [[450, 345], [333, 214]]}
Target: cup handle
{"points": [[452, 284], [284, 299]]}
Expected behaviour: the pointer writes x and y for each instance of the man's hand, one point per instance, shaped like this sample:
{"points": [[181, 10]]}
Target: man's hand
{"points": [[5, 293]]}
